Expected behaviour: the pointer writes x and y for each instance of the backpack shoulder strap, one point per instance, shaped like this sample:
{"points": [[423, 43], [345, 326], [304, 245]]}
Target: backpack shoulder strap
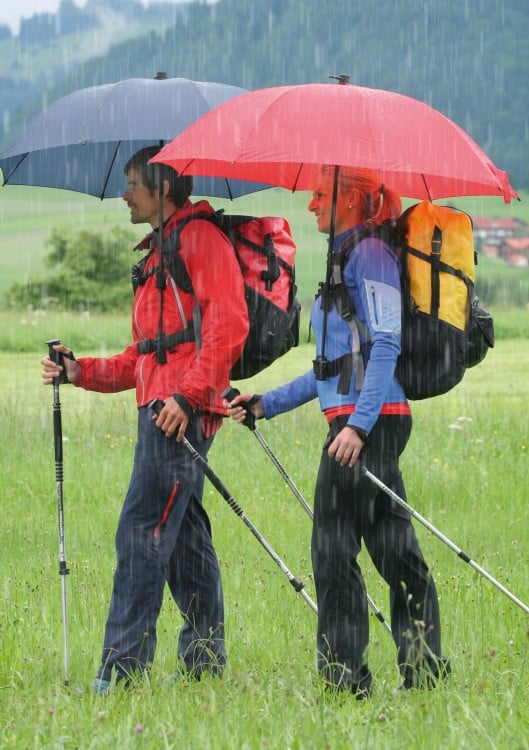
{"points": [[339, 258], [344, 303], [171, 251]]}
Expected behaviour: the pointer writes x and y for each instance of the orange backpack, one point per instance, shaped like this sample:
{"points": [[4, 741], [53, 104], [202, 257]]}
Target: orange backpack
{"points": [[444, 328]]}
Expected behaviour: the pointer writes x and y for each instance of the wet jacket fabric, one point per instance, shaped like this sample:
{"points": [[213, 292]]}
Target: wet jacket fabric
{"points": [[371, 275], [198, 374]]}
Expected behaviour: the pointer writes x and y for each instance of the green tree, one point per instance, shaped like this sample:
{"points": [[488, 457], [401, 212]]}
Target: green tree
{"points": [[88, 270]]}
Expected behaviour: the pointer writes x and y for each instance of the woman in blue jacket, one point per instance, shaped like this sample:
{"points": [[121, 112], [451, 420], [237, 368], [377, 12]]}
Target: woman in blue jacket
{"points": [[369, 422]]}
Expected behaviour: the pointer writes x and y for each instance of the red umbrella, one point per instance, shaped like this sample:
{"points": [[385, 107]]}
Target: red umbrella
{"points": [[280, 135]]}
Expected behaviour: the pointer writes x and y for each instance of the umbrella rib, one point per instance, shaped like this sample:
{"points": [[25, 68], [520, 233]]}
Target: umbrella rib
{"points": [[297, 177], [102, 195], [6, 179], [228, 188], [426, 187]]}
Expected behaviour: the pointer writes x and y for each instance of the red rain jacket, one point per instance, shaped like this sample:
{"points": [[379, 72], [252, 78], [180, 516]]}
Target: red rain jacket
{"points": [[199, 375]]}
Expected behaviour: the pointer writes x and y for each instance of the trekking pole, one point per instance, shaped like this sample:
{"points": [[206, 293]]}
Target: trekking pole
{"points": [[59, 476], [459, 552], [298, 586], [249, 421]]}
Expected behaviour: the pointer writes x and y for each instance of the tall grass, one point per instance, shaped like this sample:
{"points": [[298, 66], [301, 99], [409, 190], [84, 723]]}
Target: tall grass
{"points": [[466, 469]]}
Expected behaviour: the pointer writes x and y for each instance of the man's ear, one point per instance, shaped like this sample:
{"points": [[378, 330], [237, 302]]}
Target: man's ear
{"points": [[165, 188]]}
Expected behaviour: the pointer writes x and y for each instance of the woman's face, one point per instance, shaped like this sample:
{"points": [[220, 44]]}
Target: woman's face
{"points": [[321, 206]]}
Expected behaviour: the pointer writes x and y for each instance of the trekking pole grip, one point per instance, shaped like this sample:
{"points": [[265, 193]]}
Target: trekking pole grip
{"points": [[54, 355], [229, 394], [58, 358]]}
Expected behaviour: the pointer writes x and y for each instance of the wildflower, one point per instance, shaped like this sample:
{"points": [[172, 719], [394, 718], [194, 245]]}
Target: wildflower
{"points": [[138, 728]]}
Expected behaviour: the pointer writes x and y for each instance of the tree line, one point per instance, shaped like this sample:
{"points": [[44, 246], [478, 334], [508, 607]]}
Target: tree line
{"points": [[469, 59]]}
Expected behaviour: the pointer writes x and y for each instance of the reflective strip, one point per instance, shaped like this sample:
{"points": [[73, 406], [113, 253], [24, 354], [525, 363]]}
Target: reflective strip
{"points": [[166, 511]]}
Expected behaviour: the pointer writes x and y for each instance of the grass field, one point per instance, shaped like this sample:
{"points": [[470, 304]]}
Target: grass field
{"points": [[28, 215], [466, 469]]}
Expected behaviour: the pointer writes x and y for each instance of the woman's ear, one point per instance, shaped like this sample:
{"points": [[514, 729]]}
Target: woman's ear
{"points": [[354, 198]]}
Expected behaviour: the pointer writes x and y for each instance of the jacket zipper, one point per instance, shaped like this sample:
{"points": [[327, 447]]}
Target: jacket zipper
{"points": [[374, 301]]}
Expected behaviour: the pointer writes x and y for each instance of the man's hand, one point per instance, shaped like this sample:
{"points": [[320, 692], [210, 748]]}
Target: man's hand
{"points": [[172, 420], [51, 370], [346, 447]]}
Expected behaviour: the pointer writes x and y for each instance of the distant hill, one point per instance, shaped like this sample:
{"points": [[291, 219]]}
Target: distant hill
{"points": [[467, 58]]}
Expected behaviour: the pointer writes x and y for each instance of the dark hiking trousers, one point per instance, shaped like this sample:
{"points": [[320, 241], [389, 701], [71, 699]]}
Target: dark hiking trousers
{"points": [[347, 509], [164, 535]]}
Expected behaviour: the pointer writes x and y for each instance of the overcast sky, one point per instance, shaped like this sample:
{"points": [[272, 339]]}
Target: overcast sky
{"points": [[11, 11]]}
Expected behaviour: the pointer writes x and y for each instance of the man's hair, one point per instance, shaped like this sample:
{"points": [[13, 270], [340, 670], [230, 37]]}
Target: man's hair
{"points": [[180, 188]]}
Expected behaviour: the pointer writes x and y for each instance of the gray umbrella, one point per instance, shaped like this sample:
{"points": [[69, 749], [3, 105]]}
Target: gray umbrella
{"points": [[82, 141]]}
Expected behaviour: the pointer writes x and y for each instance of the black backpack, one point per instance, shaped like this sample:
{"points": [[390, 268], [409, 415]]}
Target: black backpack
{"points": [[265, 252], [445, 330]]}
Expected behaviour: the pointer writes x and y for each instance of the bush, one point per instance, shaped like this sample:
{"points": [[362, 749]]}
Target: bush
{"points": [[89, 270]]}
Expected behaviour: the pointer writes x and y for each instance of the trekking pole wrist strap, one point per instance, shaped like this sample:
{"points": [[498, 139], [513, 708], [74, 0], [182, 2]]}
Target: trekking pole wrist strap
{"points": [[63, 377], [362, 434], [184, 404]]}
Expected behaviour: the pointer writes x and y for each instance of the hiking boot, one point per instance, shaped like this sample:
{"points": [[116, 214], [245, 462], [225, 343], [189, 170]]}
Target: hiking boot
{"points": [[427, 678], [101, 687]]}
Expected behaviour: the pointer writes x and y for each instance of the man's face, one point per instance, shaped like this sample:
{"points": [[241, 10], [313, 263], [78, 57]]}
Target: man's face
{"points": [[143, 206]]}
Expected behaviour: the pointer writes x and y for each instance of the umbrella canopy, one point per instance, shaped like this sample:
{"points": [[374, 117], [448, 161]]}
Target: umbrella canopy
{"points": [[82, 141], [280, 136]]}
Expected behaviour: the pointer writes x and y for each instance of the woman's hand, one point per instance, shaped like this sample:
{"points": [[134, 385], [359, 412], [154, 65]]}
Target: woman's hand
{"points": [[238, 407], [346, 447]]}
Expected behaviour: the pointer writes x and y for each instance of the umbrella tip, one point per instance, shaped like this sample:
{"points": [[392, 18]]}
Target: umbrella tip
{"points": [[160, 76], [343, 78]]}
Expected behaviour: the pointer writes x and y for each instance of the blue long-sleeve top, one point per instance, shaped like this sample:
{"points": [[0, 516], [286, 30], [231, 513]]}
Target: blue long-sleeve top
{"points": [[371, 275]]}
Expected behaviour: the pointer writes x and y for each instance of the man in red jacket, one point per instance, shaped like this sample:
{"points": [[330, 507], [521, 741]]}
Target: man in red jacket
{"points": [[164, 533]]}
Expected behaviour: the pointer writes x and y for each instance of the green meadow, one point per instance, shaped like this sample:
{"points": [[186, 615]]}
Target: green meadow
{"points": [[466, 471], [28, 215]]}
